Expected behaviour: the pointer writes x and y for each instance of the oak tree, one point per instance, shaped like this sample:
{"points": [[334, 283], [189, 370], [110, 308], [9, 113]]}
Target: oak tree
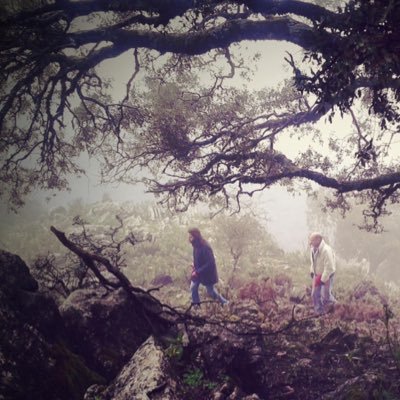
{"points": [[200, 137]]}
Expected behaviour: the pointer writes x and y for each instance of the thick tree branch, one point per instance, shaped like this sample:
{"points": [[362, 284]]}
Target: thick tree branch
{"points": [[188, 43], [88, 258], [307, 10], [197, 182], [167, 9], [332, 183], [154, 319]]}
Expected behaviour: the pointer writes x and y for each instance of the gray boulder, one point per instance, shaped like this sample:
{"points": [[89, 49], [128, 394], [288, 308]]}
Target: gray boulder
{"points": [[105, 327], [35, 362], [144, 377], [361, 387]]}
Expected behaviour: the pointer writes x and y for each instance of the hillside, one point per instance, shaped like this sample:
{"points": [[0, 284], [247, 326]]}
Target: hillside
{"points": [[266, 344]]}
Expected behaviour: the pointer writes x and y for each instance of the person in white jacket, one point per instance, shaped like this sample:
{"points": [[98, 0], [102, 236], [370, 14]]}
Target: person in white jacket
{"points": [[322, 270]]}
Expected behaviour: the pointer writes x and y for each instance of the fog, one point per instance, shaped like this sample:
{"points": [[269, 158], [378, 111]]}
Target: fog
{"points": [[283, 213]]}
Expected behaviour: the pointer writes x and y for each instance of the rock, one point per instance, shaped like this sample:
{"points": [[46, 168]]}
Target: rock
{"points": [[304, 363], [106, 328], [95, 392], [21, 291], [35, 362], [229, 392], [233, 352], [222, 392], [360, 388], [162, 280], [237, 393], [144, 377], [337, 341], [15, 274]]}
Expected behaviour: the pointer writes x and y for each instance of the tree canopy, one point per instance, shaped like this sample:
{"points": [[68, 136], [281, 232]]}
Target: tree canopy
{"points": [[200, 137]]}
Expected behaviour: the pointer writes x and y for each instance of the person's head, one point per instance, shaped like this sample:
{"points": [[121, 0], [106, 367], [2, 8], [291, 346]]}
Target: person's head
{"points": [[315, 240], [195, 236]]}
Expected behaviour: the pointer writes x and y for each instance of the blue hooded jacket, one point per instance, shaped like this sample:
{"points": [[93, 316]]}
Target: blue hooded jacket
{"points": [[204, 262]]}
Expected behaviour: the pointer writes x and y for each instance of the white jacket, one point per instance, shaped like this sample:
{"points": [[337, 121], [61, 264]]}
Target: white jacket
{"points": [[323, 261]]}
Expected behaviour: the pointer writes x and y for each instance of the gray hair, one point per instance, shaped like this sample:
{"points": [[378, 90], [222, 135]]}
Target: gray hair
{"points": [[315, 235]]}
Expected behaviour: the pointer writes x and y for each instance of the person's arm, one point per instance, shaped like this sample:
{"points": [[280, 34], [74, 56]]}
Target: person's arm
{"points": [[329, 265], [317, 280], [312, 273], [194, 276], [208, 260]]}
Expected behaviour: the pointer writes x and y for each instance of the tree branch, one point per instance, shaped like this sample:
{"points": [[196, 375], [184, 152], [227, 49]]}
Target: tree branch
{"points": [[154, 319], [88, 258]]}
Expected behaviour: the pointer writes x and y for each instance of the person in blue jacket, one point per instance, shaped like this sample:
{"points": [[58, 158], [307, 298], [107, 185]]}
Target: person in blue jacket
{"points": [[204, 268]]}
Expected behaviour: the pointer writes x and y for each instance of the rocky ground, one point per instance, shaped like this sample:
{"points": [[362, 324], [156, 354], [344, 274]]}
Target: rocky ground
{"points": [[266, 344], [310, 358]]}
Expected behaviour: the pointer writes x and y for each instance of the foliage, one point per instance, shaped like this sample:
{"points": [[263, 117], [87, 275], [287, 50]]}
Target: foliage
{"points": [[193, 378], [175, 348], [144, 241], [62, 275], [369, 252], [345, 349], [246, 240], [272, 309], [196, 384], [365, 53], [262, 293], [178, 116], [392, 337]]}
